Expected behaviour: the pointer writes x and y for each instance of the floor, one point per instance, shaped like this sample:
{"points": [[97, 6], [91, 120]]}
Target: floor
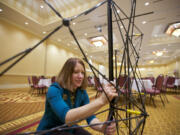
{"points": [[21, 111]]}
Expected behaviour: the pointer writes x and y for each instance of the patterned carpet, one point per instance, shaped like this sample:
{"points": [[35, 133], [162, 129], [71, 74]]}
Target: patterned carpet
{"points": [[20, 112], [18, 108], [20, 97], [177, 97]]}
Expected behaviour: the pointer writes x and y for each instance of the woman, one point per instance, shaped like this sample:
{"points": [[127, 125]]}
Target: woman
{"points": [[67, 101]]}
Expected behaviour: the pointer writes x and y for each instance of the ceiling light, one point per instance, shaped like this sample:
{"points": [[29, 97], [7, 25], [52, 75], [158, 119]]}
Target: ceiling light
{"points": [[85, 34], [74, 23], [121, 27], [152, 61], [98, 41], [99, 29], [144, 22], [1, 10], [41, 6], [26, 23], [44, 32], [59, 40], [173, 29], [176, 33], [118, 11], [158, 53], [146, 4]]}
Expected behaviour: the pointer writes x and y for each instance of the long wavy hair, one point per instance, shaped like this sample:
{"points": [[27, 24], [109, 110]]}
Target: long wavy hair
{"points": [[64, 77]]}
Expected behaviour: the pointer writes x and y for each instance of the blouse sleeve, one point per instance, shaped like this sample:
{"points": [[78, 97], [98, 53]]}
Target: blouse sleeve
{"points": [[86, 101], [57, 103]]}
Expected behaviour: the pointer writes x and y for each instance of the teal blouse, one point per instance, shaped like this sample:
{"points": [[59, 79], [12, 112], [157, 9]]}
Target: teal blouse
{"points": [[58, 103]]}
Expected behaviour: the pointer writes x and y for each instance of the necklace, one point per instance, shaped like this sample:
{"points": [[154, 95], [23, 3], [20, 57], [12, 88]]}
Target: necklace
{"points": [[73, 97]]}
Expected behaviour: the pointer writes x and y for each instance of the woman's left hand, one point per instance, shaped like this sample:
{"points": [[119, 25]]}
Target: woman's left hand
{"points": [[110, 129]]}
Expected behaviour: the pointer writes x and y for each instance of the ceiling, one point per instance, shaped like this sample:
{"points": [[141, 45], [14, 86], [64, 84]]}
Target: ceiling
{"points": [[45, 20]]}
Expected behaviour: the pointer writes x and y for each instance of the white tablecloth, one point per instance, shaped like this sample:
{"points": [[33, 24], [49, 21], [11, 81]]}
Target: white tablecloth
{"points": [[147, 84], [45, 82], [177, 82]]}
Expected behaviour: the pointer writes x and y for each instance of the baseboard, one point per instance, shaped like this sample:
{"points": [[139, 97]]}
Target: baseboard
{"points": [[13, 86]]}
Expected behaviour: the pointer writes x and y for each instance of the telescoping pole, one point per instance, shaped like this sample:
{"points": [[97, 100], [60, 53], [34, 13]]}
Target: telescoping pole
{"points": [[110, 50]]}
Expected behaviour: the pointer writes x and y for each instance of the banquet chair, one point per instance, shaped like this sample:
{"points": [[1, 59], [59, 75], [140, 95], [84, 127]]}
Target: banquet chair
{"points": [[123, 84], [97, 84], [30, 84], [164, 88], [53, 79], [42, 77], [122, 80], [156, 90], [152, 79], [90, 84], [171, 83], [36, 86]]}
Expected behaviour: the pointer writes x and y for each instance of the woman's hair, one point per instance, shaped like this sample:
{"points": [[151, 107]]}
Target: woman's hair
{"points": [[64, 78]]}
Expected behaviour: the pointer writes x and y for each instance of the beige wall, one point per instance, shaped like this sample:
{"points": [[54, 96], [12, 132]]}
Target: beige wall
{"points": [[14, 41], [152, 70], [172, 67], [56, 57], [47, 59], [167, 69]]}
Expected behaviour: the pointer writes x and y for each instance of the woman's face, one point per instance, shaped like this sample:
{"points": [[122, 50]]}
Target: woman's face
{"points": [[77, 76]]}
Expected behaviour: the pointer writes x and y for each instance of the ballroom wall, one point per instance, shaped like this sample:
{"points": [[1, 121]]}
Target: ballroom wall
{"points": [[166, 69], [13, 41], [47, 59], [155, 70]]}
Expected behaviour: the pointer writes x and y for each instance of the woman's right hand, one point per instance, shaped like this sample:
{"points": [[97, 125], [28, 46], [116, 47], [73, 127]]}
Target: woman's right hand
{"points": [[109, 92]]}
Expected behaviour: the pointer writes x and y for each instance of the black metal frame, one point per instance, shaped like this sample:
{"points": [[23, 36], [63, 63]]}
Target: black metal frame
{"points": [[126, 65]]}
